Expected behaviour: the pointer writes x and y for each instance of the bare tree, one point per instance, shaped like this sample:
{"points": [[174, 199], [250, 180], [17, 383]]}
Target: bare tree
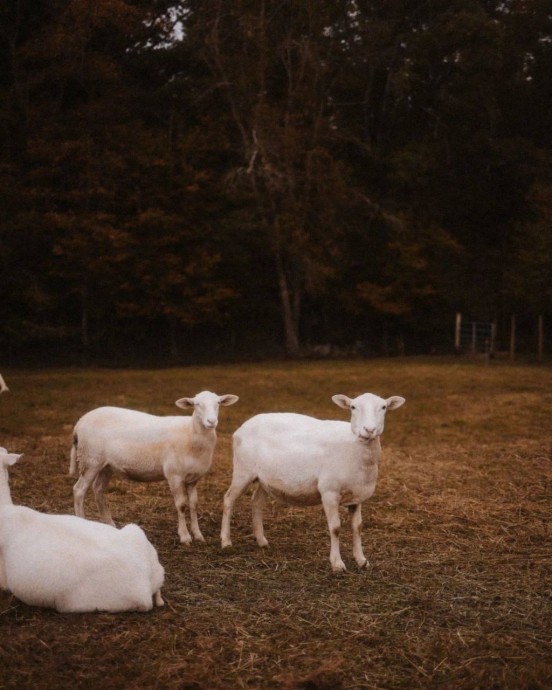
{"points": [[274, 63]]}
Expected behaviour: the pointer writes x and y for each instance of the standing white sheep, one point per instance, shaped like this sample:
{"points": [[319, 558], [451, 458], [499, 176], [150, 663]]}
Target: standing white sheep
{"points": [[71, 564], [148, 448], [304, 461]]}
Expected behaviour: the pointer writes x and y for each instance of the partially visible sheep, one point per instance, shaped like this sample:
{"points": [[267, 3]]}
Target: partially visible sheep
{"points": [[305, 461], [71, 564], [148, 448], [3, 386]]}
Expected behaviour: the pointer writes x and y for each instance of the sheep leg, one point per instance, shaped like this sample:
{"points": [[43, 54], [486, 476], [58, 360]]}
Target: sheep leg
{"points": [[192, 502], [258, 500], [99, 486], [81, 487], [330, 501], [176, 486], [236, 489], [356, 524], [158, 599]]}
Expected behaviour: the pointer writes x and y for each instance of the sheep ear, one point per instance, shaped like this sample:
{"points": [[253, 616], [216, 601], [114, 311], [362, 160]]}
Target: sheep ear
{"points": [[394, 401], [9, 458], [12, 458], [342, 401], [228, 399], [184, 403]]}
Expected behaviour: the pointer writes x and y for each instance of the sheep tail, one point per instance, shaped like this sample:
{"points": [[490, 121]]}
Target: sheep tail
{"points": [[74, 460]]}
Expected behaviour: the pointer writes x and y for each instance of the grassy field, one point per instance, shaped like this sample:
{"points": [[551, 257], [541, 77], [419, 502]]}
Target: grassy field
{"points": [[459, 593]]}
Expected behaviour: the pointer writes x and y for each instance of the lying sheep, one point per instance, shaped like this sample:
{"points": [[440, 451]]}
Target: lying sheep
{"points": [[71, 564], [305, 461], [147, 448]]}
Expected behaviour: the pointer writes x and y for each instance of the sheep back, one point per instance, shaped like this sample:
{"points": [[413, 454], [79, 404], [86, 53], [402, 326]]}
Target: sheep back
{"points": [[133, 443], [294, 457], [72, 564]]}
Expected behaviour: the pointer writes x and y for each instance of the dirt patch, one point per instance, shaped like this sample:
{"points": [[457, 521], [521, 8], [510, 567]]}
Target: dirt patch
{"points": [[458, 594]]}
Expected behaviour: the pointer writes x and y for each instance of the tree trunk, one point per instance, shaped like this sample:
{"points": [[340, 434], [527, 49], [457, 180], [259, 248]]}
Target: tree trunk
{"points": [[289, 304], [173, 338]]}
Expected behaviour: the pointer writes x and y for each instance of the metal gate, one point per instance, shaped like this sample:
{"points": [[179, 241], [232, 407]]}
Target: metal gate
{"points": [[474, 336]]}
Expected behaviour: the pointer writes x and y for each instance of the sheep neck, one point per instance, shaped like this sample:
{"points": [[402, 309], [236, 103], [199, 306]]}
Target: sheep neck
{"points": [[202, 438], [371, 452], [5, 494]]}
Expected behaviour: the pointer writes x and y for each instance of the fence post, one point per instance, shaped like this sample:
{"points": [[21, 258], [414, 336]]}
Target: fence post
{"points": [[457, 331]]}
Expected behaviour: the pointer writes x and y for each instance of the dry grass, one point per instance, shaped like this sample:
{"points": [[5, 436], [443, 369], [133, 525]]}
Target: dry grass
{"points": [[459, 594]]}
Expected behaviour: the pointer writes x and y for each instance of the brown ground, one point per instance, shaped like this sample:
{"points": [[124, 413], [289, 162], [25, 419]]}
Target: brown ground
{"points": [[459, 594]]}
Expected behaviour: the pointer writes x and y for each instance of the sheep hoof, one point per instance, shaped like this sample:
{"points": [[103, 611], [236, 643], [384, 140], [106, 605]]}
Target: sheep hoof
{"points": [[226, 544], [262, 542], [186, 541], [363, 565], [199, 537], [339, 567]]}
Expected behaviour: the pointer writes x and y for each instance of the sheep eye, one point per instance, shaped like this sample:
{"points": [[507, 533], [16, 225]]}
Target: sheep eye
{"points": [[353, 407], [384, 407]]}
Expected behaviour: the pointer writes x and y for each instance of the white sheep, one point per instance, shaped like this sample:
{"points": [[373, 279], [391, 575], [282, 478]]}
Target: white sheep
{"points": [[148, 448], [304, 461], [3, 386], [71, 564]]}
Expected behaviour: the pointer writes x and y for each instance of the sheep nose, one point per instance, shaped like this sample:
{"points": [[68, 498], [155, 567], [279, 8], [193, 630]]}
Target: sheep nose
{"points": [[370, 431], [211, 423]]}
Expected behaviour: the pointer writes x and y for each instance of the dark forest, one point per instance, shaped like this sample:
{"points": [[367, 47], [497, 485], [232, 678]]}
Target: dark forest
{"points": [[208, 180]]}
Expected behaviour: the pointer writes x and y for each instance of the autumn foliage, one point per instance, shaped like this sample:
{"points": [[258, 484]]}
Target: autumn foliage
{"points": [[181, 178]]}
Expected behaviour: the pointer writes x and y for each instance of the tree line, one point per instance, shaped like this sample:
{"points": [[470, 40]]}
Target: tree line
{"points": [[212, 178]]}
